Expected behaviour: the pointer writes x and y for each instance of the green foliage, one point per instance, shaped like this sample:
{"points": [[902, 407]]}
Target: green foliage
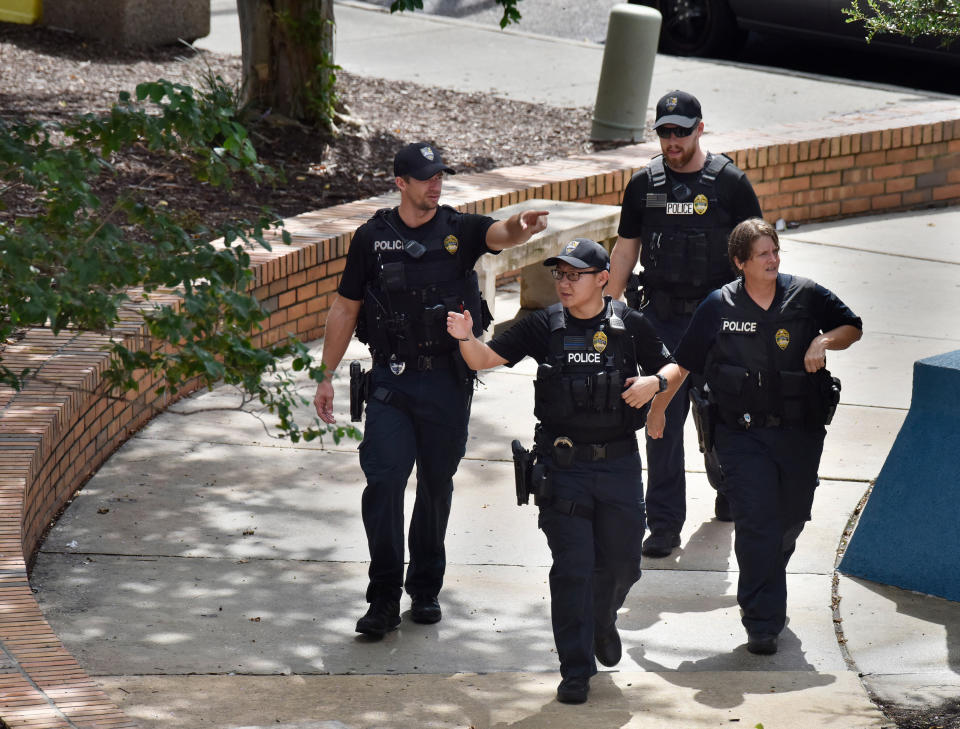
{"points": [[911, 18], [510, 12], [77, 261]]}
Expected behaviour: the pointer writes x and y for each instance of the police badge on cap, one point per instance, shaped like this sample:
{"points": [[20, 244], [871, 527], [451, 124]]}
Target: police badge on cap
{"points": [[420, 161]]}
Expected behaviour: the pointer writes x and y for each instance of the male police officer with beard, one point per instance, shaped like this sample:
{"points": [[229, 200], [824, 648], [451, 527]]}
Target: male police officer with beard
{"points": [[590, 388], [405, 269], [677, 213]]}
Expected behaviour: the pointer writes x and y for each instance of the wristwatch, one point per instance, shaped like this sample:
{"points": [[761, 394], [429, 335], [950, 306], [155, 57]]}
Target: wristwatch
{"points": [[663, 382]]}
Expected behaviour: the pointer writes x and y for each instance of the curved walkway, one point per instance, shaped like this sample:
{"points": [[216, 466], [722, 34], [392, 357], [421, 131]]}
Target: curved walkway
{"points": [[210, 577]]}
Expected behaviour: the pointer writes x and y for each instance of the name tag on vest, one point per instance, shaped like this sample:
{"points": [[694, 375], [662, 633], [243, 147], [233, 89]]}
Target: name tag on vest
{"points": [[739, 327], [679, 208]]}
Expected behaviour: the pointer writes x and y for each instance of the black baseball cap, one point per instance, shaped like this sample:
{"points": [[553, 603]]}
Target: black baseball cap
{"points": [[680, 108], [582, 253], [419, 160]]}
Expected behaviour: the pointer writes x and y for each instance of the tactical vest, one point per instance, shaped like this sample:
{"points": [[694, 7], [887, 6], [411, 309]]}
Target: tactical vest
{"points": [[577, 392], [755, 367], [684, 232], [404, 315]]}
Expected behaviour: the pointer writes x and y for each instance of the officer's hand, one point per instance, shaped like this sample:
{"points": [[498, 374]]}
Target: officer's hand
{"points": [[533, 221], [640, 391], [656, 422], [816, 356], [323, 401], [460, 326]]}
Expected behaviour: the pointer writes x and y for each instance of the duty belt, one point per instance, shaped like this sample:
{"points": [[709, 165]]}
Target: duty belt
{"points": [[422, 363], [676, 305], [565, 451], [745, 421]]}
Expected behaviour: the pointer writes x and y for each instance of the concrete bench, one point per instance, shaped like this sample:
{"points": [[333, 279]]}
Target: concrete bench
{"points": [[567, 220]]}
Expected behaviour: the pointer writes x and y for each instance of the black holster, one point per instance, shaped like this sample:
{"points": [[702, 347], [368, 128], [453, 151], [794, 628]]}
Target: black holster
{"points": [[704, 417], [529, 476], [634, 290], [359, 390]]}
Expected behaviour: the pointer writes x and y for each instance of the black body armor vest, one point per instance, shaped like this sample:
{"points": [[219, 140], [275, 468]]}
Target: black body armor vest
{"points": [[577, 392], [755, 368], [684, 232], [404, 315]]}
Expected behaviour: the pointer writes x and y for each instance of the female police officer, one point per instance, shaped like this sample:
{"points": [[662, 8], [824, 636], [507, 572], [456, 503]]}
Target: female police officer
{"points": [[760, 342], [588, 396]]}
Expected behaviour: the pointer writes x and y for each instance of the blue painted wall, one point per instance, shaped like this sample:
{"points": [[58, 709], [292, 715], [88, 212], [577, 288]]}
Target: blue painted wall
{"points": [[909, 532]]}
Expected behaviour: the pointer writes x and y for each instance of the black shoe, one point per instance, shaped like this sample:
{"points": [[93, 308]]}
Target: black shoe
{"points": [[425, 610], [660, 544], [763, 644], [606, 646], [573, 690], [721, 507], [382, 617]]}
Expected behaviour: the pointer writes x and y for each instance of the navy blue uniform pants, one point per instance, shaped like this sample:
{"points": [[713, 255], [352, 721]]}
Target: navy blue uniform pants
{"points": [[770, 475], [595, 562], [666, 481], [431, 433]]}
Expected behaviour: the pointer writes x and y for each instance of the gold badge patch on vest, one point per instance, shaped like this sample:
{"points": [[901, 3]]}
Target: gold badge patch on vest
{"points": [[599, 341], [700, 204], [451, 244], [782, 337]]}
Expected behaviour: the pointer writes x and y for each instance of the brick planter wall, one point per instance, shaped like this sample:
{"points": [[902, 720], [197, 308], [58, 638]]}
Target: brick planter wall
{"points": [[58, 430]]}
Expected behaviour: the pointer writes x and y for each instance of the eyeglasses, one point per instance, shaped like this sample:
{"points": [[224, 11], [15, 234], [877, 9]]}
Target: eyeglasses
{"points": [[679, 132], [572, 276]]}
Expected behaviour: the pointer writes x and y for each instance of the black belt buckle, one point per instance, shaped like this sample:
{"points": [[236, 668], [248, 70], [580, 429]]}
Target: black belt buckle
{"points": [[563, 451]]}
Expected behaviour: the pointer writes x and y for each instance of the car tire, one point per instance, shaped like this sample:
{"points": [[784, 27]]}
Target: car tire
{"points": [[697, 27]]}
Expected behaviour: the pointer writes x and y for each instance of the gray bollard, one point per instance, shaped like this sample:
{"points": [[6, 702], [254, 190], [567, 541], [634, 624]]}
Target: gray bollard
{"points": [[621, 109]]}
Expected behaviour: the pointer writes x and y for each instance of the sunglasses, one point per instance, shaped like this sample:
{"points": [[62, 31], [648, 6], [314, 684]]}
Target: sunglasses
{"points": [[573, 276], [679, 132]]}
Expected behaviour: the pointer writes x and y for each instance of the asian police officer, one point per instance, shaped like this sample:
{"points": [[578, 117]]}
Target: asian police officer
{"points": [[600, 364]]}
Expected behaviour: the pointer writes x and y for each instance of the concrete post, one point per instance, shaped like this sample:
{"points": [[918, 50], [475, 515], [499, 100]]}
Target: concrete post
{"points": [[620, 112], [907, 535]]}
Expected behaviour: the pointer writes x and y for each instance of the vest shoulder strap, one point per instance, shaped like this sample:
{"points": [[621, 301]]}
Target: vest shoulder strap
{"points": [[657, 172], [714, 166]]}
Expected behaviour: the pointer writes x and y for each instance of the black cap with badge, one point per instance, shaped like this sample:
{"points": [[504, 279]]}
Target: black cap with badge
{"points": [[582, 253], [679, 108], [419, 160]]}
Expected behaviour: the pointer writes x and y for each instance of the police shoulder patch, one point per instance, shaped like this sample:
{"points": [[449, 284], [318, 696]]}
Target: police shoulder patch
{"points": [[782, 338], [451, 244], [599, 341]]}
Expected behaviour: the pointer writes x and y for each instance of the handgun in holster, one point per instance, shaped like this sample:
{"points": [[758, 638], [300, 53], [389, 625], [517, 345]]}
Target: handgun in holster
{"points": [[530, 477], [634, 290], [359, 390], [704, 417]]}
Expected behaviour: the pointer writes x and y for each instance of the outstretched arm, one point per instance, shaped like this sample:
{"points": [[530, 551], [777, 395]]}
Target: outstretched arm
{"points": [[476, 354], [516, 229]]}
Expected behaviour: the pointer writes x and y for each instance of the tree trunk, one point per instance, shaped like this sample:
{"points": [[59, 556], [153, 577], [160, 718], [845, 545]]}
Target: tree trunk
{"points": [[288, 57]]}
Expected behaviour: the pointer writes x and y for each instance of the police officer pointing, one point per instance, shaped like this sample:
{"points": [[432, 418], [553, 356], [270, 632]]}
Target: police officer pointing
{"points": [[600, 363], [406, 268], [677, 213], [761, 344]]}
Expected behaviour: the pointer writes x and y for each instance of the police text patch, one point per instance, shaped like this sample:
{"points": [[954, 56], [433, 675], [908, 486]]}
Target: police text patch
{"points": [[739, 327], [387, 245], [679, 208], [583, 358]]}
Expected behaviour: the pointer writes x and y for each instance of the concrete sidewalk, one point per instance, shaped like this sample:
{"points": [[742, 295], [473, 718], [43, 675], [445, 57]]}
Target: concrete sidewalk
{"points": [[210, 577]]}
